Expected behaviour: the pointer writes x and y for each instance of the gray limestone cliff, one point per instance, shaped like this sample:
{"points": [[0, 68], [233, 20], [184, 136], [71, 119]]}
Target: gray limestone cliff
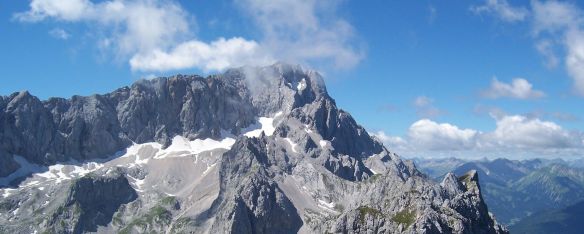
{"points": [[259, 150]]}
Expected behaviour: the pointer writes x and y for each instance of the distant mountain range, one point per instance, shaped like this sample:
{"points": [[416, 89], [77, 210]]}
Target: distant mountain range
{"points": [[568, 220], [515, 189]]}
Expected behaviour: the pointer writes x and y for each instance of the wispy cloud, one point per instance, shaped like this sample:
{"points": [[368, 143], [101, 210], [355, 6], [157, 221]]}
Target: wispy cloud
{"points": [[563, 22], [547, 49], [519, 88], [557, 28], [304, 31], [501, 10], [432, 14], [425, 107], [59, 33]]}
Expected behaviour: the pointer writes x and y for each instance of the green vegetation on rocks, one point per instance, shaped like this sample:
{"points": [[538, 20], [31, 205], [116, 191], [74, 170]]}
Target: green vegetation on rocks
{"points": [[365, 210], [405, 217]]}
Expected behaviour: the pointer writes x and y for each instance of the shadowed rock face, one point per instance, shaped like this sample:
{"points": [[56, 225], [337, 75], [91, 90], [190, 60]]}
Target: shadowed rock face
{"points": [[315, 171], [100, 125], [92, 201], [256, 203]]}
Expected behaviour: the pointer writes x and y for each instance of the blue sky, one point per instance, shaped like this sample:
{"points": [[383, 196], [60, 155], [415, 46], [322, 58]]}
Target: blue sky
{"points": [[430, 78]]}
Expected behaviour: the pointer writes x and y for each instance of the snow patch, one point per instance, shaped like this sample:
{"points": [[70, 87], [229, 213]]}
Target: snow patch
{"points": [[61, 172], [25, 169], [7, 192], [301, 85], [324, 143], [183, 145], [292, 144], [267, 126], [329, 205], [138, 184], [209, 167]]}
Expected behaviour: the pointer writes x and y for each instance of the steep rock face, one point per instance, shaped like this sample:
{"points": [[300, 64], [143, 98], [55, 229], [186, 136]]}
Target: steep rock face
{"points": [[251, 150], [27, 127], [7, 164], [92, 200], [251, 201], [100, 125]]}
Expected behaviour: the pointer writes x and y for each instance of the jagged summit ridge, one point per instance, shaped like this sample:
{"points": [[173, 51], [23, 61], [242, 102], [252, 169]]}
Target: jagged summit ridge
{"points": [[253, 149]]}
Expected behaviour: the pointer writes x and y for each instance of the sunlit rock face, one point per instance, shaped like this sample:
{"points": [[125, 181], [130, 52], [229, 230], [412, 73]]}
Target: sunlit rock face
{"points": [[251, 150]]}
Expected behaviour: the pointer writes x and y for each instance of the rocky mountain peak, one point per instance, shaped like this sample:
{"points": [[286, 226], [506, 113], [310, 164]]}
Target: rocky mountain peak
{"points": [[253, 149]]}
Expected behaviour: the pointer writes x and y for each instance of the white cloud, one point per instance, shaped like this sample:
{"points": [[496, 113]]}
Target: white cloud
{"points": [[514, 136], [304, 31], [59, 33], [430, 135], [554, 16], [217, 55], [68, 10], [563, 21], [502, 10], [129, 26], [555, 26], [156, 35], [546, 48], [396, 143], [422, 101], [575, 58], [519, 88], [521, 132]]}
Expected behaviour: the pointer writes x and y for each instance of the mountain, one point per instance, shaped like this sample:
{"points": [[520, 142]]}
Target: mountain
{"points": [[251, 150], [566, 220], [437, 167], [516, 189]]}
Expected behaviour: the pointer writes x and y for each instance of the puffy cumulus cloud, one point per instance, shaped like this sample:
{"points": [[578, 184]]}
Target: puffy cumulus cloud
{"points": [[217, 55], [129, 26], [518, 131], [430, 135], [502, 10], [157, 35], [519, 88], [395, 142], [68, 10], [514, 136]]}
